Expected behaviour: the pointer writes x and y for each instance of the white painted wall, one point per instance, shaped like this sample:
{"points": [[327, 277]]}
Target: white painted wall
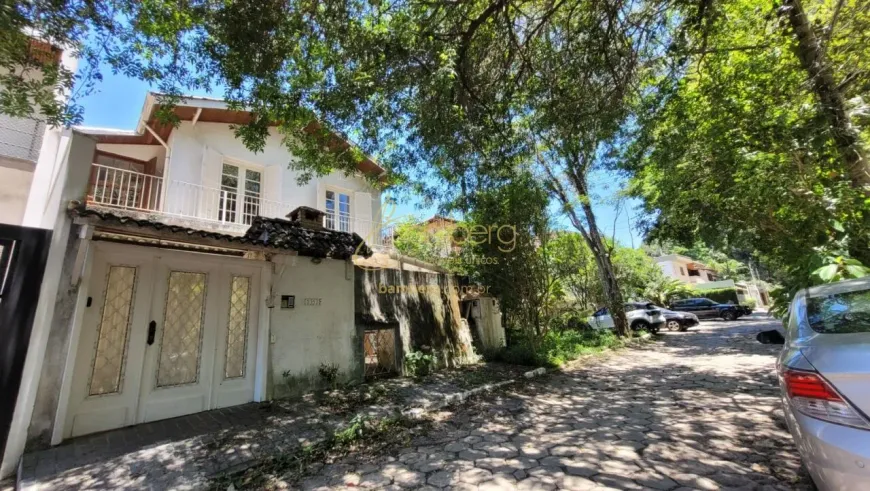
{"points": [[669, 268], [61, 175], [304, 337], [15, 178], [138, 152], [191, 146]]}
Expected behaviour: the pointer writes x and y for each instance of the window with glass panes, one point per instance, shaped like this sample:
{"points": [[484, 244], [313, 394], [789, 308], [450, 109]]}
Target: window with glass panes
{"points": [[240, 194], [337, 211]]}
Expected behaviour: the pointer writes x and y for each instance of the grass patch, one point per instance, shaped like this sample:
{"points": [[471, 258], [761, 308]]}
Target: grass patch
{"points": [[556, 348]]}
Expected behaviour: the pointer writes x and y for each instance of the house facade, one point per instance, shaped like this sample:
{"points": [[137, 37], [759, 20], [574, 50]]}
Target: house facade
{"points": [[685, 269], [185, 273], [199, 174], [703, 277]]}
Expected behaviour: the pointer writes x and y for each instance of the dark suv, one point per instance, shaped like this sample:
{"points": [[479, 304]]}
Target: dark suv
{"points": [[705, 308]]}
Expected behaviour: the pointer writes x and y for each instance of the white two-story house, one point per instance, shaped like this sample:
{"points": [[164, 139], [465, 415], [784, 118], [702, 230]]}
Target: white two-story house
{"points": [[179, 281], [200, 175]]}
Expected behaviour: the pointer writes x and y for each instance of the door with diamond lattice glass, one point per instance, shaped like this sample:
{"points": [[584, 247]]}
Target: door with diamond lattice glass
{"points": [[111, 344], [164, 334], [180, 353]]}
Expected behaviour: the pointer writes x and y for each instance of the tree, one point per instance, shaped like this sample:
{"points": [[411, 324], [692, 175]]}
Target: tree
{"points": [[452, 96], [832, 103], [515, 262], [734, 149]]}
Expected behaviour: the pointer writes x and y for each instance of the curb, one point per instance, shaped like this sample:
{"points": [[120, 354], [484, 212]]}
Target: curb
{"points": [[449, 399]]}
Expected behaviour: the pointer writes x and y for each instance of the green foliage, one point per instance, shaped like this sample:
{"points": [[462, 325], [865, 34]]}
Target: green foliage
{"points": [[574, 320], [515, 262], [354, 431], [430, 243], [419, 363], [557, 347], [664, 290], [721, 295], [734, 150], [329, 373], [749, 302]]}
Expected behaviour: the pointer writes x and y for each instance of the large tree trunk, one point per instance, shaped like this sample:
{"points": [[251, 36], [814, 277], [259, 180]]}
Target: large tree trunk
{"points": [[814, 61], [607, 274]]}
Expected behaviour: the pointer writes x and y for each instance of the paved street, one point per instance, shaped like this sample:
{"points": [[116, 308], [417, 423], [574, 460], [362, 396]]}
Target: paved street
{"points": [[694, 410]]}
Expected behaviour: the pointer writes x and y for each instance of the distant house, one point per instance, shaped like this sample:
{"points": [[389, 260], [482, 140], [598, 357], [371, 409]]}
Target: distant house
{"points": [[686, 269], [703, 277]]}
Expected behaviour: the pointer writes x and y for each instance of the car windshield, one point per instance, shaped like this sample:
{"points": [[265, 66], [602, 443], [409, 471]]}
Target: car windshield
{"points": [[840, 313]]}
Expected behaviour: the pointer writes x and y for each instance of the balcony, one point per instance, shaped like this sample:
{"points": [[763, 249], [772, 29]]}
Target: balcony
{"points": [[191, 205]]}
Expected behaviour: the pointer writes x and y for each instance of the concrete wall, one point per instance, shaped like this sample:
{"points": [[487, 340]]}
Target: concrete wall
{"points": [[190, 146], [48, 393], [15, 178], [424, 305], [320, 328], [56, 181]]}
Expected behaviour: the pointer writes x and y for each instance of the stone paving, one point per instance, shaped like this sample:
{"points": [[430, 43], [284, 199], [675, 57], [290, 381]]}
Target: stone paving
{"points": [[694, 410], [186, 452]]}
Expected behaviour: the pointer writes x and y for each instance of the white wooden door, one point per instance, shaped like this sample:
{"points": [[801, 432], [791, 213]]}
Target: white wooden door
{"points": [[184, 313], [236, 346], [168, 333], [108, 365]]}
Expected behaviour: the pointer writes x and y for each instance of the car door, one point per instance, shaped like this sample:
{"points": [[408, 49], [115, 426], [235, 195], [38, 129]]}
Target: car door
{"points": [[705, 308], [602, 319]]}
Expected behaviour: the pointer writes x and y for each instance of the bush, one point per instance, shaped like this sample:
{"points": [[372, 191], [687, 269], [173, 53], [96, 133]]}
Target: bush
{"points": [[419, 363], [574, 320], [721, 295], [556, 347], [749, 302]]}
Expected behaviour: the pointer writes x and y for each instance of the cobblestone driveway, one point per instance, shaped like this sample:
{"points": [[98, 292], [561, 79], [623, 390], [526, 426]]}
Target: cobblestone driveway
{"points": [[694, 410]]}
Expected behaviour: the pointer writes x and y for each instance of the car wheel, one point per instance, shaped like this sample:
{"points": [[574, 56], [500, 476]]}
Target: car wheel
{"points": [[639, 325], [674, 325], [728, 315]]}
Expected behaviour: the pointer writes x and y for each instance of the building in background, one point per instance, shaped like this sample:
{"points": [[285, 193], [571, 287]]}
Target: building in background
{"points": [[702, 277]]}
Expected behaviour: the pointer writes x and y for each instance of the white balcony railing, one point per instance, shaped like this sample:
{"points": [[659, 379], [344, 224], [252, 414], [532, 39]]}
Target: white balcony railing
{"points": [[198, 206]]}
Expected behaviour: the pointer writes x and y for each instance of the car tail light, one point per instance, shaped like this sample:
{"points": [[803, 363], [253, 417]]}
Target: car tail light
{"points": [[810, 394]]}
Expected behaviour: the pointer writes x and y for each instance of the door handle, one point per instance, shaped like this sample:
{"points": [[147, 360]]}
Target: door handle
{"points": [[152, 330]]}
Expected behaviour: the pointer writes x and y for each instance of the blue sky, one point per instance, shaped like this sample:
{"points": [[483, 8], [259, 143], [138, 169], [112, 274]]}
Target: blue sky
{"points": [[118, 100]]}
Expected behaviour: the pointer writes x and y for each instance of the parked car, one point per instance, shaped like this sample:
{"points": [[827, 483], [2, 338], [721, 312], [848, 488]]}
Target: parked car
{"points": [[747, 310], [705, 308], [639, 317], [678, 321], [824, 374]]}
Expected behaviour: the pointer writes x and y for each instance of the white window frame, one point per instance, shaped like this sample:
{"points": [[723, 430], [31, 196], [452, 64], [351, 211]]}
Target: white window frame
{"points": [[240, 189], [334, 219]]}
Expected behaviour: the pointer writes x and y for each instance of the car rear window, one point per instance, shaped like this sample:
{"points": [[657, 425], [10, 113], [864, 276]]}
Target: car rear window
{"points": [[840, 313]]}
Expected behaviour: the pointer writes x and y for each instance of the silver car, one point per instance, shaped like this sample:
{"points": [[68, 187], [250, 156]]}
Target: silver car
{"points": [[824, 373]]}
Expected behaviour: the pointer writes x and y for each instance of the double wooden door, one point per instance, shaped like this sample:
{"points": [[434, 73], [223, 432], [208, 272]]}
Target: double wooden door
{"points": [[165, 334]]}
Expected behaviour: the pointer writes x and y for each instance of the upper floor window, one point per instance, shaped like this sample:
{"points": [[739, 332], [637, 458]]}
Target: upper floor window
{"points": [[240, 194], [337, 211]]}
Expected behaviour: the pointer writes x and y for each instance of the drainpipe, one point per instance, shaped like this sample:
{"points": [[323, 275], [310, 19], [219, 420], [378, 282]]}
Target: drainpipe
{"points": [[165, 165]]}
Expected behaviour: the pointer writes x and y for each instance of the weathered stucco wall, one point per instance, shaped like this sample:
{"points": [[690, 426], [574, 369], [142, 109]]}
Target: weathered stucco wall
{"points": [[424, 305], [320, 328], [51, 373]]}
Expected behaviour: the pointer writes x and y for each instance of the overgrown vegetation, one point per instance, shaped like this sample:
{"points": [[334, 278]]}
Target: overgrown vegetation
{"points": [[360, 435], [557, 347], [419, 363]]}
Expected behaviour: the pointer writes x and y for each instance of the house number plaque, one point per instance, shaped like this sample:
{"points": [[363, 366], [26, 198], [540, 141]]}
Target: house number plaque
{"points": [[312, 301]]}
